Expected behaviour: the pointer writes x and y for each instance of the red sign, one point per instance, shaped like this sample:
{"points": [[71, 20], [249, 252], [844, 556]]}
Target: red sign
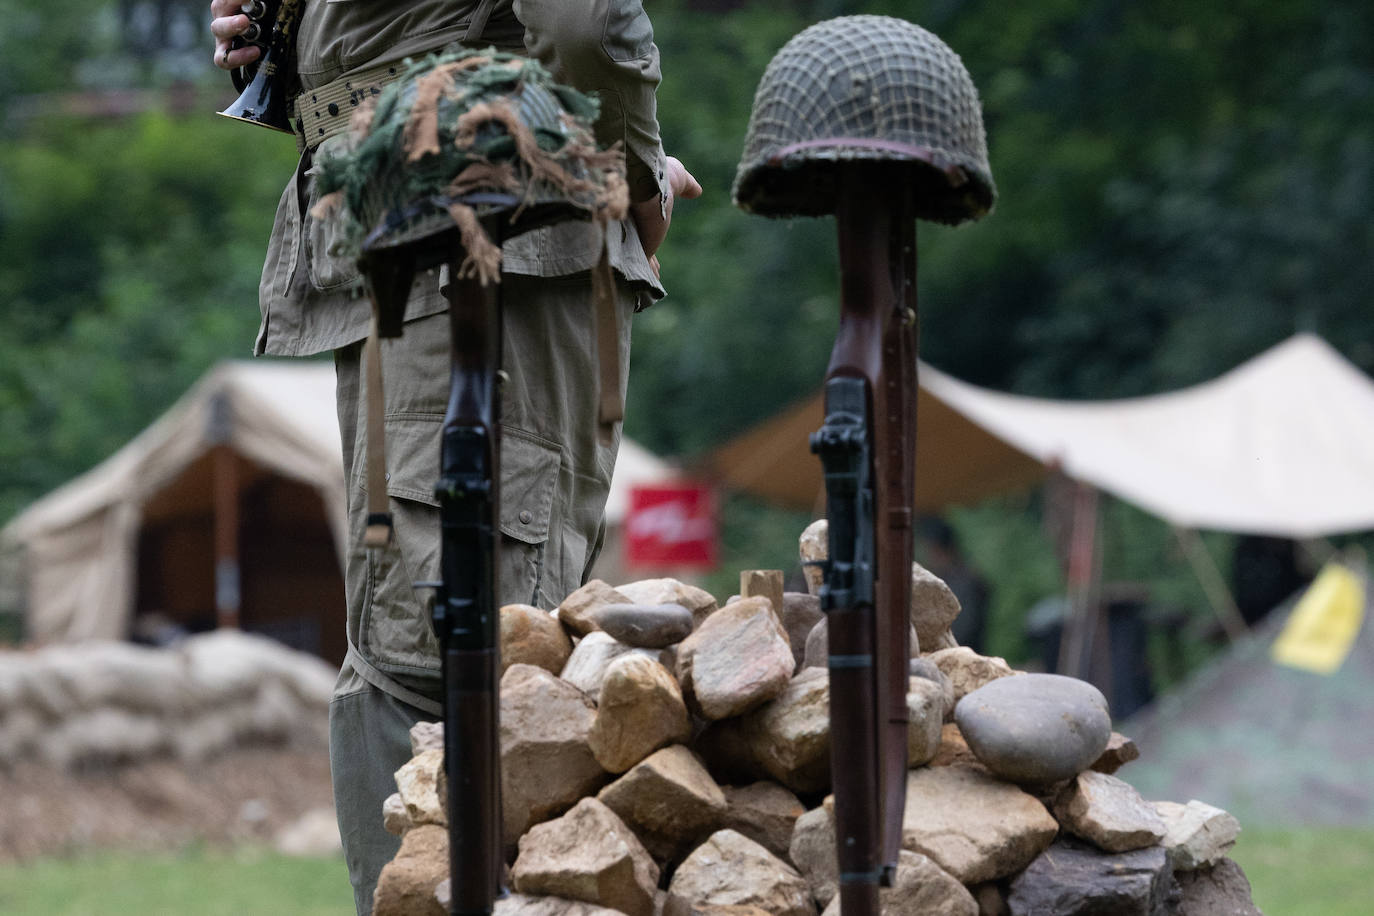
{"points": [[671, 526]]}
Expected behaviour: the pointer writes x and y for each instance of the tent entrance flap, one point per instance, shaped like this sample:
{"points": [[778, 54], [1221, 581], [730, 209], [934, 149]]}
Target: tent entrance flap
{"points": [[225, 508]]}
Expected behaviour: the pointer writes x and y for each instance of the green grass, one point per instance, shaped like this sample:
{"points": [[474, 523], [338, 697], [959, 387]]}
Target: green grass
{"points": [[1309, 872], [1297, 872], [200, 881]]}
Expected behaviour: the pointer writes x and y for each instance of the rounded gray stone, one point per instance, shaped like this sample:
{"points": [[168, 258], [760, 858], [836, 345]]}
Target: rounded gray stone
{"points": [[1036, 728], [645, 626]]}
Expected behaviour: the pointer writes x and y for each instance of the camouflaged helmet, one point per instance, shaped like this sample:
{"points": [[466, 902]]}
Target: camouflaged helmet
{"points": [[464, 136], [865, 88]]}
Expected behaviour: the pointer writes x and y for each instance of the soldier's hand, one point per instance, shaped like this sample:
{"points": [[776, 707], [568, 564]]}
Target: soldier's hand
{"points": [[651, 218], [227, 23]]}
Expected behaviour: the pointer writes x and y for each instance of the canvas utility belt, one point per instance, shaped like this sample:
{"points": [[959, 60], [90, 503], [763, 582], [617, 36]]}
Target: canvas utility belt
{"points": [[326, 111]]}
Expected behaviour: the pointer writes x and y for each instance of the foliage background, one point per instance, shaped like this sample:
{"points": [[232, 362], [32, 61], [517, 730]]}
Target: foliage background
{"points": [[1182, 186]]}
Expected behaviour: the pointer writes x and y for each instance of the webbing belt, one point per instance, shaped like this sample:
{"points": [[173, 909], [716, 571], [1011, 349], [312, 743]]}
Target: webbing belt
{"points": [[327, 110]]}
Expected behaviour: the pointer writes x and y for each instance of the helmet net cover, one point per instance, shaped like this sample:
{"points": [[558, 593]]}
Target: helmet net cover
{"points": [[462, 136], [865, 88]]}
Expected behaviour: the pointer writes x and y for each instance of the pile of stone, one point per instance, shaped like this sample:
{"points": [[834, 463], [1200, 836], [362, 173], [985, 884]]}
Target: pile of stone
{"points": [[114, 702], [661, 755]]}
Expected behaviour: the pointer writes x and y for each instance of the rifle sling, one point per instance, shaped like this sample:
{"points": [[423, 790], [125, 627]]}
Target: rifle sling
{"points": [[379, 527], [611, 407]]}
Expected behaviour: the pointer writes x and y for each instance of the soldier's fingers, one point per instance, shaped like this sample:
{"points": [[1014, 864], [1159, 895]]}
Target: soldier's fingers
{"points": [[227, 59], [681, 180], [227, 27], [220, 8]]}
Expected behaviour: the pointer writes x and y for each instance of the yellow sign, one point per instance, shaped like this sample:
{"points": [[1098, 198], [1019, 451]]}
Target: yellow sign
{"points": [[1322, 627]]}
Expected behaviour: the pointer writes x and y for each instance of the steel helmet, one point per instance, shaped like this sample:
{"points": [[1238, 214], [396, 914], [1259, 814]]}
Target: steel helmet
{"points": [[865, 88], [462, 136]]}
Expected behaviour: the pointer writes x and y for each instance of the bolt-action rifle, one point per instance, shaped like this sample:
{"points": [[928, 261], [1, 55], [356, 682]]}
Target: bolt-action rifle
{"points": [[867, 449], [464, 613]]}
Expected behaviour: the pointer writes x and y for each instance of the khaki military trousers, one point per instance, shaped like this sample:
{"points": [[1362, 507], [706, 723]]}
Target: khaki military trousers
{"points": [[555, 476]]}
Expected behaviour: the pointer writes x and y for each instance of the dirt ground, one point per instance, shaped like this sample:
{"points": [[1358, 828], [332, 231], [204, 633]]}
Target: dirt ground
{"points": [[247, 795]]}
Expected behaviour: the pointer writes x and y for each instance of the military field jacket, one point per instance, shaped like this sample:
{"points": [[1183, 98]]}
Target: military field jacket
{"points": [[311, 301]]}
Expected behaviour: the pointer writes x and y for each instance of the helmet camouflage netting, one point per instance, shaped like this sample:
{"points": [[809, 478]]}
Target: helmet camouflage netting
{"points": [[865, 88], [461, 136]]}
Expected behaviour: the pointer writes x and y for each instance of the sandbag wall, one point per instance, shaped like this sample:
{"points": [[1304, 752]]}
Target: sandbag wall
{"points": [[115, 702]]}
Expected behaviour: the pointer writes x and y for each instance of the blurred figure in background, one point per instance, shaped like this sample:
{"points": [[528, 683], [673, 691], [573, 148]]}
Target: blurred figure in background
{"points": [[938, 547], [1265, 572]]}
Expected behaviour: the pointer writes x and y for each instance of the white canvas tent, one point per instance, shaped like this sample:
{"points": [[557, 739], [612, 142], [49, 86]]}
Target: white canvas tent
{"points": [[1281, 445], [90, 550], [247, 465]]}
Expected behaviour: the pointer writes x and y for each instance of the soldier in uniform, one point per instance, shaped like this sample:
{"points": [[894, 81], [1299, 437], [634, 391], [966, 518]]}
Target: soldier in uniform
{"points": [[555, 468]]}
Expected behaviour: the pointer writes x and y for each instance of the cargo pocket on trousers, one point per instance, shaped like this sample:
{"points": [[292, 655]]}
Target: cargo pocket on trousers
{"points": [[395, 632], [529, 480], [322, 236]]}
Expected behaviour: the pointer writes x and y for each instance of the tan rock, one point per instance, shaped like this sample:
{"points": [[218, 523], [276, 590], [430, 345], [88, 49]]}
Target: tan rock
{"points": [[406, 886], [818, 645], [531, 636], [526, 905], [577, 612], [944, 640], [765, 812], [975, 827], [990, 899], [812, 851], [586, 667], [1108, 813], [725, 746], [1196, 834], [926, 669], [954, 750], [670, 591], [587, 854], [967, 670], [1119, 752], [790, 736], [800, 614], [925, 709], [933, 605], [666, 904], [395, 820], [763, 583], [920, 888], [669, 800], [426, 736], [640, 710], [814, 546], [729, 869], [417, 783], [816, 649], [546, 761], [738, 659]]}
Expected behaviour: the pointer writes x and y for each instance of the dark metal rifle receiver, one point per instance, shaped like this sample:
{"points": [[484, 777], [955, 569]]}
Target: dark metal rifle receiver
{"points": [[846, 457]]}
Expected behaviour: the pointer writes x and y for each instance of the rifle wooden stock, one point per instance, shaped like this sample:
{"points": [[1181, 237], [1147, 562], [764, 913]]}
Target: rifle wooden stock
{"points": [[868, 448]]}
